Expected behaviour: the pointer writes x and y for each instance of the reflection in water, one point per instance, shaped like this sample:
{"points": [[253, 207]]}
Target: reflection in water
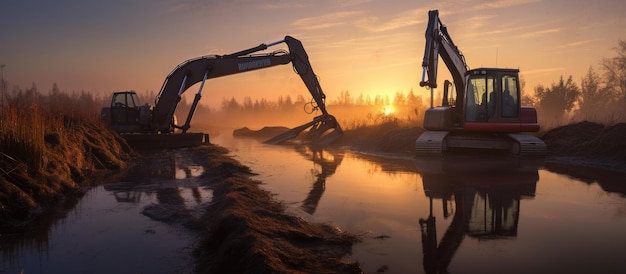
{"points": [[154, 175], [566, 219], [105, 229], [486, 203], [328, 162], [609, 181]]}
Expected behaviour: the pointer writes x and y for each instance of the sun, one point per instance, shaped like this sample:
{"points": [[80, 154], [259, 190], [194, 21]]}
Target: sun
{"points": [[388, 110]]}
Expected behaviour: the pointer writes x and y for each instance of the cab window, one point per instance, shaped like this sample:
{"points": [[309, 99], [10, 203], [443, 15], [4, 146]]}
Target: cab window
{"points": [[510, 96], [479, 104]]}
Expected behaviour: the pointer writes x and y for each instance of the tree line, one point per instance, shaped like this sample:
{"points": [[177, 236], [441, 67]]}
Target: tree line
{"points": [[600, 97]]}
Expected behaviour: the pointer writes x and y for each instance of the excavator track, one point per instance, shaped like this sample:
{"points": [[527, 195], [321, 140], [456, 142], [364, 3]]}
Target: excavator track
{"points": [[431, 143], [436, 143], [527, 145]]}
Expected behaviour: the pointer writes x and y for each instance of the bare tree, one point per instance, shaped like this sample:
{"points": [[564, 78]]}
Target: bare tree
{"points": [[594, 97], [615, 71]]}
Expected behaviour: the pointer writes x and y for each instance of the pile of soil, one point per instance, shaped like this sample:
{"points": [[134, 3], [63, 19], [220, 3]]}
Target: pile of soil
{"points": [[386, 138], [587, 139], [247, 231], [264, 133], [586, 144], [72, 159]]}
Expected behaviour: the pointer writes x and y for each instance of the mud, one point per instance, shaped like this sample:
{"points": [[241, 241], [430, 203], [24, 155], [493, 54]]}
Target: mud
{"points": [[247, 231], [263, 133]]}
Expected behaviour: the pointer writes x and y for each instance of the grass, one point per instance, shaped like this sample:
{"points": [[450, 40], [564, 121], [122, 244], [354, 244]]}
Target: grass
{"points": [[28, 116], [50, 147], [22, 135]]}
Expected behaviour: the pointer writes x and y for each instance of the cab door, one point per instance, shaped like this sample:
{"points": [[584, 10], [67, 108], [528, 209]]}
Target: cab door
{"points": [[124, 111]]}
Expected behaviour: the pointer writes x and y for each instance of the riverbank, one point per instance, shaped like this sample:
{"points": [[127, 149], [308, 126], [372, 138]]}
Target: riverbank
{"points": [[585, 144], [73, 159], [247, 231], [244, 229]]}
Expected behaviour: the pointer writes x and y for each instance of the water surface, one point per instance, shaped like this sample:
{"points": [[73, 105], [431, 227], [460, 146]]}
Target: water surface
{"points": [[459, 214], [120, 227]]}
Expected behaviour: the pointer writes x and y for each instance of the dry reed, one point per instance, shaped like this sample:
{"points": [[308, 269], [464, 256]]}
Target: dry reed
{"points": [[22, 135]]}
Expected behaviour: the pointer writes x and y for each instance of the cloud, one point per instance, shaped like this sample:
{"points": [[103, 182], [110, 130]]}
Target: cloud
{"points": [[325, 21], [478, 21], [575, 43], [366, 20], [539, 33], [350, 3], [281, 4], [497, 4], [392, 22], [543, 70]]}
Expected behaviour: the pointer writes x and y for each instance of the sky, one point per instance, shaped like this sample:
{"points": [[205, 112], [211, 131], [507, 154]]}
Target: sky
{"points": [[364, 47]]}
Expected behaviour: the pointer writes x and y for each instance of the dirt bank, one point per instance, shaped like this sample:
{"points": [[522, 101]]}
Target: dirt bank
{"points": [[587, 144], [72, 159], [247, 231], [580, 144]]}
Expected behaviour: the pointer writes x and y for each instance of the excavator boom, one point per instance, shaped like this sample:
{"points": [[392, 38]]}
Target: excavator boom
{"points": [[439, 43], [200, 69]]}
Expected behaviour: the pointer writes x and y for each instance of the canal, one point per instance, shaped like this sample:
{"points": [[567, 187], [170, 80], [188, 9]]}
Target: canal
{"points": [[458, 214]]}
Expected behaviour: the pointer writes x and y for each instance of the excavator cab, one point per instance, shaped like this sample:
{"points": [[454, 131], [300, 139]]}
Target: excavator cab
{"points": [[124, 111], [492, 96], [493, 102], [126, 114]]}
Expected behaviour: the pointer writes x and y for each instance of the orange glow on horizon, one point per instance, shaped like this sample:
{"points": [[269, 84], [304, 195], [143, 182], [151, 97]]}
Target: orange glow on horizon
{"points": [[389, 110]]}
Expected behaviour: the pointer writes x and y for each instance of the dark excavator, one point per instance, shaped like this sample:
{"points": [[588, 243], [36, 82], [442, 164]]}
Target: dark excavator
{"points": [[157, 123], [485, 115]]}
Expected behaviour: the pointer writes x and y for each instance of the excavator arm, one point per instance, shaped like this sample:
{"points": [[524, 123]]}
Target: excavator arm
{"points": [[439, 43], [200, 69]]}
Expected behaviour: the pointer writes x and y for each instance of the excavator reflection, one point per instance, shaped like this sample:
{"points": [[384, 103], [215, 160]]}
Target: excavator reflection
{"points": [[484, 203], [163, 177], [328, 161]]}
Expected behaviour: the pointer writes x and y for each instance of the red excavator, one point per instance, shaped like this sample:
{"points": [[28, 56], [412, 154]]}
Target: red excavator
{"points": [[486, 115], [156, 122]]}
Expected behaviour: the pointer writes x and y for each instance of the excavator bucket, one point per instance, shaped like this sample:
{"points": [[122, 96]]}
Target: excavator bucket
{"points": [[318, 135]]}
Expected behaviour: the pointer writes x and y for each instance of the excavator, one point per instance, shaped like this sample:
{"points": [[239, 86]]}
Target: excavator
{"points": [[127, 116], [486, 114]]}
